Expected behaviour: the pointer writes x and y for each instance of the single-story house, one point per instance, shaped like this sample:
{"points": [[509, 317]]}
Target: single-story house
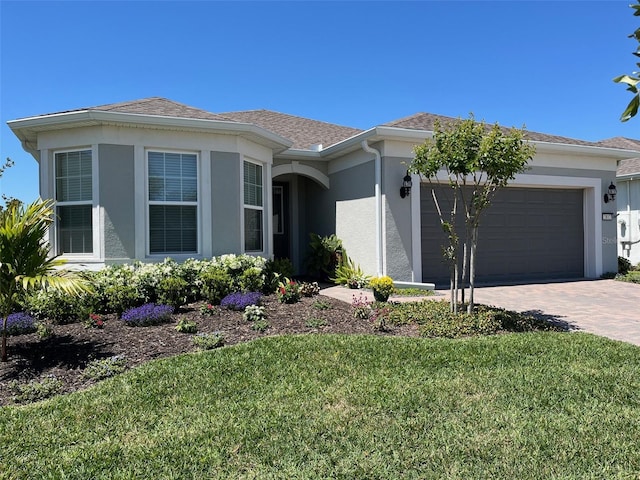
{"points": [[153, 178], [628, 199]]}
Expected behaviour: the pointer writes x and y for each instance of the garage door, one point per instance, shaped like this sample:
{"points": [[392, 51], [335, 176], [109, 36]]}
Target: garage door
{"points": [[526, 234]]}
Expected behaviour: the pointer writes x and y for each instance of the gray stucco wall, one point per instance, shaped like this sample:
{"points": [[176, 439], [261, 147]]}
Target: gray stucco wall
{"points": [[397, 220], [225, 203], [116, 196], [346, 209]]}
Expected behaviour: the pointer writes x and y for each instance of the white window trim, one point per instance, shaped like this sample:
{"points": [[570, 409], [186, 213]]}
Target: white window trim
{"points": [[197, 204], [265, 229], [97, 255]]}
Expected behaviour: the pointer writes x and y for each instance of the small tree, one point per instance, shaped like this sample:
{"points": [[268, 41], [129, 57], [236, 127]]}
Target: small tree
{"points": [[25, 261], [632, 80], [478, 161]]}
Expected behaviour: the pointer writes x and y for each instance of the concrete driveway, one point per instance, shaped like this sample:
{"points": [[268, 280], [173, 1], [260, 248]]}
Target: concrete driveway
{"points": [[603, 307]]}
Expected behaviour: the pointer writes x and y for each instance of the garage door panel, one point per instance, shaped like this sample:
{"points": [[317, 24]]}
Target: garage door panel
{"points": [[526, 234]]}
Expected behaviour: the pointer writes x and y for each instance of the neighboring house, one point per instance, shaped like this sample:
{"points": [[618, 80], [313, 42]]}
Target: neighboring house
{"points": [[628, 199], [153, 178]]}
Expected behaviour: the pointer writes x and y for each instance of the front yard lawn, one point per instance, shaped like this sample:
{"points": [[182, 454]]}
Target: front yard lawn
{"points": [[525, 406]]}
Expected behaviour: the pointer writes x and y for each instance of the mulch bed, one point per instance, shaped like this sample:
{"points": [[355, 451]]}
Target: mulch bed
{"points": [[67, 352]]}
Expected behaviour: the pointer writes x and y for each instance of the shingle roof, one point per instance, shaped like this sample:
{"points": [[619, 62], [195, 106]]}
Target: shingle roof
{"points": [[154, 106], [306, 132], [621, 142], [630, 166], [425, 121], [303, 132]]}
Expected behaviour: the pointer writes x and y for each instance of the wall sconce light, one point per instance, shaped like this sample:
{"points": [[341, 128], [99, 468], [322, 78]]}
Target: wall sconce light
{"points": [[610, 196], [405, 189]]}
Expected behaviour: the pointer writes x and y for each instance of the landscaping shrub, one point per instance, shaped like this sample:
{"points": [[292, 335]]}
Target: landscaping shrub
{"points": [[58, 307], [208, 309], [105, 367], [35, 390], [349, 274], [173, 291], [20, 323], [148, 314], [260, 326], [239, 300], [117, 289], [289, 291], [325, 254], [186, 326], [94, 320], [44, 330], [251, 280], [624, 266], [208, 341], [274, 271], [216, 284], [633, 277], [253, 313]]}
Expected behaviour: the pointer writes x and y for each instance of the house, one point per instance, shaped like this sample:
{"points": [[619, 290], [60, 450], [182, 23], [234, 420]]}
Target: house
{"points": [[628, 199], [153, 178]]}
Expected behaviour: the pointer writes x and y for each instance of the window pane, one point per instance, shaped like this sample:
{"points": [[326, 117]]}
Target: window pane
{"points": [[173, 229], [252, 230], [73, 176], [75, 233], [252, 184], [173, 177]]}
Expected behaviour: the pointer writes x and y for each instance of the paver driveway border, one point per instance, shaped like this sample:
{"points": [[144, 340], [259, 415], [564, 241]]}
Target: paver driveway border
{"points": [[603, 307]]}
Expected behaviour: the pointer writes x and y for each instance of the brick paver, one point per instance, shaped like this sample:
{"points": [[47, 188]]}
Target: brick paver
{"points": [[604, 307]]}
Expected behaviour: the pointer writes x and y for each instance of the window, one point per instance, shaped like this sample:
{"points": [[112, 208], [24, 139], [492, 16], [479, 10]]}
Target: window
{"points": [[74, 202], [173, 202], [253, 208]]}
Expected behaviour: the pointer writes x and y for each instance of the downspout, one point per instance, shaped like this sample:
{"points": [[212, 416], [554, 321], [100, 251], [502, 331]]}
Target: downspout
{"points": [[378, 197]]}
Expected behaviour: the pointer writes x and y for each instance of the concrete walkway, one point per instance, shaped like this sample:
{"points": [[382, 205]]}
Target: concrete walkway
{"points": [[603, 307]]}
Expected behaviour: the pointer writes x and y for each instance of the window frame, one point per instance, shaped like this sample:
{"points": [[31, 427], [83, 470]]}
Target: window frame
{"points": [[56, 241], [261, 208], [196, 204]]}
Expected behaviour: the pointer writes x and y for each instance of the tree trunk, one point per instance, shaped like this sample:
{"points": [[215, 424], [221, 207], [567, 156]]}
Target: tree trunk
{"points": [[472, 267], [4, 339]]}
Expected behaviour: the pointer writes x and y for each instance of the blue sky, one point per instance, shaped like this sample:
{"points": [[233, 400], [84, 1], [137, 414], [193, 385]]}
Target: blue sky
{"points": [[546, 65]]}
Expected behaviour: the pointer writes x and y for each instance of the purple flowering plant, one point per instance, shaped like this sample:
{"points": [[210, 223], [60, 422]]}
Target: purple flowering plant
{"points": [[147, 314], [239, 300], [19, 323]]}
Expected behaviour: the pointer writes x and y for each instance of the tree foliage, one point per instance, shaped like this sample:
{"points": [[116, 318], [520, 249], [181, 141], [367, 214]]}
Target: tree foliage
{"points": [[25, 262], [474, 160], [632, 81]]}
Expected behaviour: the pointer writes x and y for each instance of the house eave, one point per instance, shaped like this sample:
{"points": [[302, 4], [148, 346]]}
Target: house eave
{"points": [[587, 150], [418, 136], [27, 129]]}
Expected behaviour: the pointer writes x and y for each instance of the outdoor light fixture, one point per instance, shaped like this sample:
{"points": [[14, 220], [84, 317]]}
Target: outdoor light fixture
{"points": [[405, 189], [611, 195]]}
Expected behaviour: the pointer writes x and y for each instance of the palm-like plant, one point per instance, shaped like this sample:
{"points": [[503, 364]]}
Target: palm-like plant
{"points": [[24, 259]]}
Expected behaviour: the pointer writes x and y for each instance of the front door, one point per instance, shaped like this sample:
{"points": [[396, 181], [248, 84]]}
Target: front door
{"points": [[281, 237]]}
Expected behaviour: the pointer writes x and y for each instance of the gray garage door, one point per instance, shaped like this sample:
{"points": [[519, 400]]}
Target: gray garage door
{"points": [[526, 234]]}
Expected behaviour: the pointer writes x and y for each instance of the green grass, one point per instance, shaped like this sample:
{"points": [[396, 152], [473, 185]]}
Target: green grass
{"points": [[516, 406]]}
